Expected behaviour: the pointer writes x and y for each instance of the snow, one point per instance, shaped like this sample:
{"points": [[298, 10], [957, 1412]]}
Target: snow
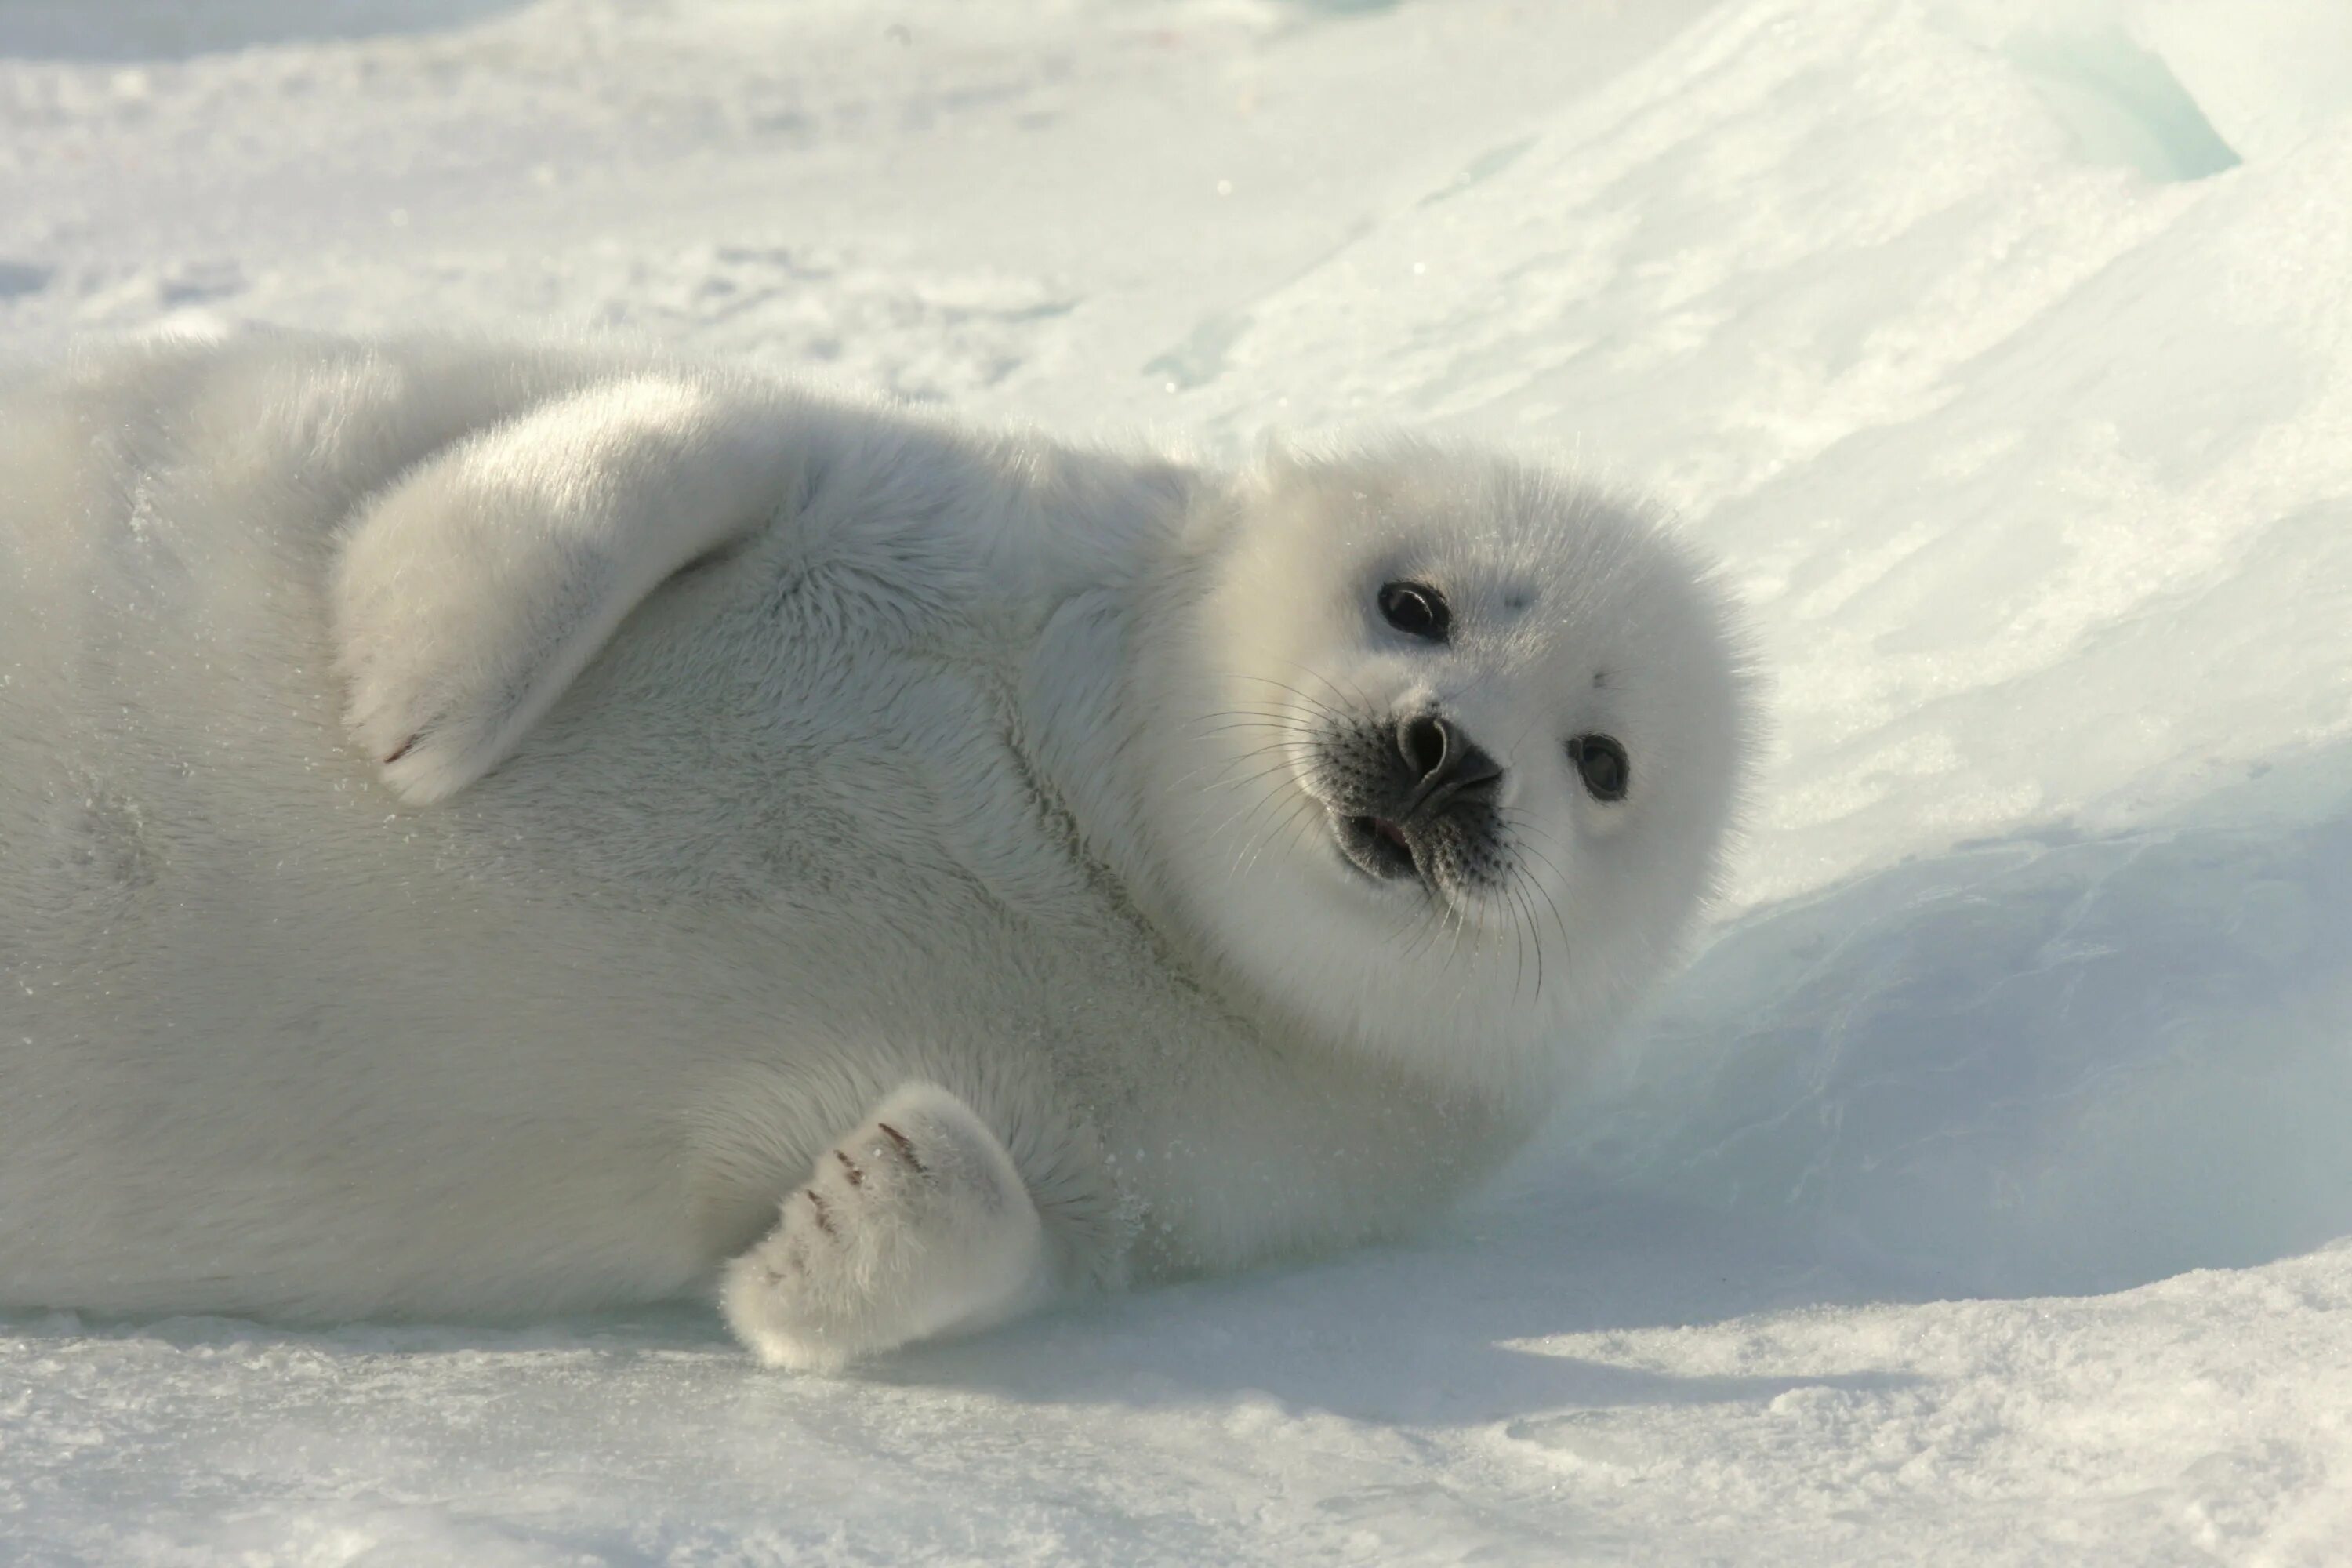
{"points": [[1975, 1195]]}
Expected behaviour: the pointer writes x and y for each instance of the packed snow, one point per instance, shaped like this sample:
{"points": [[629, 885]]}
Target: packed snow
{"points": [[1975, 1195]]}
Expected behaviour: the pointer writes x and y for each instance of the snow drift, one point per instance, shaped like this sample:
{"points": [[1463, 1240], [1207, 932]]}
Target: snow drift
{"points": [[2004, 350]]}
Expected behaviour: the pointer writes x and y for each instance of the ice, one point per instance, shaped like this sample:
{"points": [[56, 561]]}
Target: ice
{"points": [[2002, 348]]}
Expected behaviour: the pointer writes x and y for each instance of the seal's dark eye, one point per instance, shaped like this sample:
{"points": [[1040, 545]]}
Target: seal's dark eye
{"points": [[1603, 762], [1416, 609]]}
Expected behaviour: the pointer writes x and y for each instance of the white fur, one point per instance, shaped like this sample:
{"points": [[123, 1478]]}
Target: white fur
{"points": [[484, 833]]}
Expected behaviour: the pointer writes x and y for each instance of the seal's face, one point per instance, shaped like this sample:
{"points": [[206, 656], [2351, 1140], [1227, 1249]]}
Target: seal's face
{"points": [[1463, 739]]}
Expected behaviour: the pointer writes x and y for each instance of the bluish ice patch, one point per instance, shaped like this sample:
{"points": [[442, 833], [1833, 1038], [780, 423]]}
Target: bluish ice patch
{"points": [[2123, 105]]}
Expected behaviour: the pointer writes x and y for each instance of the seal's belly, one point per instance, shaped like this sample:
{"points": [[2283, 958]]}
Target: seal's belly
{"points": [[273, 1043]]}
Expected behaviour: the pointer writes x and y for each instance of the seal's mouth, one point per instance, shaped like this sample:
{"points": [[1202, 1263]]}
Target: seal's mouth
{"points": [[1378, 848], [1412, 803]]}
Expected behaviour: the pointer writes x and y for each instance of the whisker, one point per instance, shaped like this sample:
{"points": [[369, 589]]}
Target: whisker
{"points": [[1240, 817], [1326, 709], [1296, 816], [1535, 937], [1228, 763], [1519, 975], [1461, 925]]}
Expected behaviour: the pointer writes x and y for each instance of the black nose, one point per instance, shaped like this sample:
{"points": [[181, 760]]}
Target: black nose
{"points": [[1444, 763]]}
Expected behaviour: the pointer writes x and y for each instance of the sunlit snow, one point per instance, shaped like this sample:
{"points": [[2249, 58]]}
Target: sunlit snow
{"points": [[2002, 348]]}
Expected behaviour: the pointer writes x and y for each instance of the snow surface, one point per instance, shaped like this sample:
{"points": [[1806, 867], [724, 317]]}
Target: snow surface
{"points": [[2004, 348]]}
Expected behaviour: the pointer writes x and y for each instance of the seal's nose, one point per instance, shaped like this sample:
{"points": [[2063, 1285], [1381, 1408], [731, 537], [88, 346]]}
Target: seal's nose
{"points": [[1443, 764]]}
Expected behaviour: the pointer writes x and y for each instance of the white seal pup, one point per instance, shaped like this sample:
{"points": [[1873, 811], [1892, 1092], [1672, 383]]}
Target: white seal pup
{"points": [[489, 833]]}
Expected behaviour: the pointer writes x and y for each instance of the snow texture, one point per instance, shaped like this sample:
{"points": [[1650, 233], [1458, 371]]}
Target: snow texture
{"points": [[2004, 350]]}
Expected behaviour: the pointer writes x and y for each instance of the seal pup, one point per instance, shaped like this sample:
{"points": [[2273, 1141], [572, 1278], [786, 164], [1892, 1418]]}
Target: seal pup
{"points": [[489, 832]]}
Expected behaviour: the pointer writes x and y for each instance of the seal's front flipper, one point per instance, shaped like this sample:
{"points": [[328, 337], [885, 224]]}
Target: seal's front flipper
{"points": [[915, 1226], [467, 596]]}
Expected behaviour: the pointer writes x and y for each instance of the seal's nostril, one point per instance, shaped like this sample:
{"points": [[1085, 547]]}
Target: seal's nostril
{"points": [[1424, 744], [1442, 763]]}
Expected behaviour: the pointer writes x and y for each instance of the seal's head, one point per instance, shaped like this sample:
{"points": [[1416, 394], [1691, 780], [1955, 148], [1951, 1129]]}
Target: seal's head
{"points": [[1454, 742]]}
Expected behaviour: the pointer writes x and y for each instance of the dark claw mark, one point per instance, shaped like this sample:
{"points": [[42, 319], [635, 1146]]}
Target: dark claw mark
{"points": [[824, 1220], [857, 1176], [405, 747], [906, 1148]]}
